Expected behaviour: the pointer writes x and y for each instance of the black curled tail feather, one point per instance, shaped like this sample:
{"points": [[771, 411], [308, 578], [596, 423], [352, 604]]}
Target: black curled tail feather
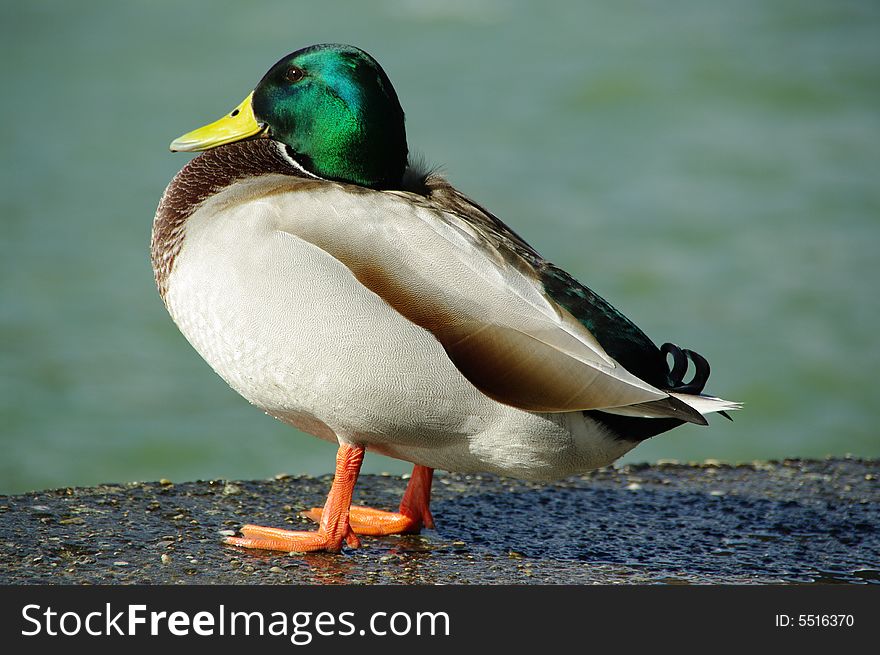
{"points": [[680, 360]]}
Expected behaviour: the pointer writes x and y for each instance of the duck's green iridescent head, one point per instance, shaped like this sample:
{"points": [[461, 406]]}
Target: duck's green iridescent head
{"points": [[333, 107]]}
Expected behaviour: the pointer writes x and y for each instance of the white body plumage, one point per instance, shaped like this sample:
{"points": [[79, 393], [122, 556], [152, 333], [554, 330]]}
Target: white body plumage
{"points": [[292, 329]]}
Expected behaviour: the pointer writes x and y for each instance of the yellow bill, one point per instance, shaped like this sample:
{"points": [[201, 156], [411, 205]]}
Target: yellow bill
{"points": [[239, 124]]}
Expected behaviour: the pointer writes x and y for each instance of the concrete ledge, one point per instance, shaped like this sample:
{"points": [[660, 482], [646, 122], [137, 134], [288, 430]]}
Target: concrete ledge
{"points": [[796, 521]]}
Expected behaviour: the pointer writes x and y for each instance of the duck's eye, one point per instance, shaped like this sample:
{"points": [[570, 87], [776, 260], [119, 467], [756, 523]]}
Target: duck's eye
{"points": [[294, 74]]}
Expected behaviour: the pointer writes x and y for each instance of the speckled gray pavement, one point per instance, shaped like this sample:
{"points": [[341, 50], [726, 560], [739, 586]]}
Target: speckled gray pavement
{"points": [[795, 521]]}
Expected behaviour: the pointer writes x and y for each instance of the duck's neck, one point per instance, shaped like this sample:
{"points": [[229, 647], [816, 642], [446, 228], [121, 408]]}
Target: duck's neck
{"points": [[347, 152], [373, 167]]}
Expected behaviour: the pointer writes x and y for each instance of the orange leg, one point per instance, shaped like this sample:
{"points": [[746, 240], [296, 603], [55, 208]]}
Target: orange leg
{"points": [[334, 526], [414, 511]]}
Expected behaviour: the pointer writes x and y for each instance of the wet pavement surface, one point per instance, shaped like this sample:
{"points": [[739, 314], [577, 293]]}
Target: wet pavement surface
{"points": [[796, 521]]}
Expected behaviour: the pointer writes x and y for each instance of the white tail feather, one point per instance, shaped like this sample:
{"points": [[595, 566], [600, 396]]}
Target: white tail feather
{"points": [[706, 404], [702, 404]]}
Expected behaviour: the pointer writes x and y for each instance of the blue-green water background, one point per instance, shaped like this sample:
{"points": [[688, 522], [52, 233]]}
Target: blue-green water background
{"points": [[710, 167]]}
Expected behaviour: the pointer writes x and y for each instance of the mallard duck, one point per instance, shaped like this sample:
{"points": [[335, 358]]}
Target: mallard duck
{"points": [[369, 303]]}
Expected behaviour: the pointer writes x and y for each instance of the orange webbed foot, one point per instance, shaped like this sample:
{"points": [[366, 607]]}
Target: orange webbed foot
{"points": [[413, 515], [334, 528], [291, 541], [376, 522]]}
